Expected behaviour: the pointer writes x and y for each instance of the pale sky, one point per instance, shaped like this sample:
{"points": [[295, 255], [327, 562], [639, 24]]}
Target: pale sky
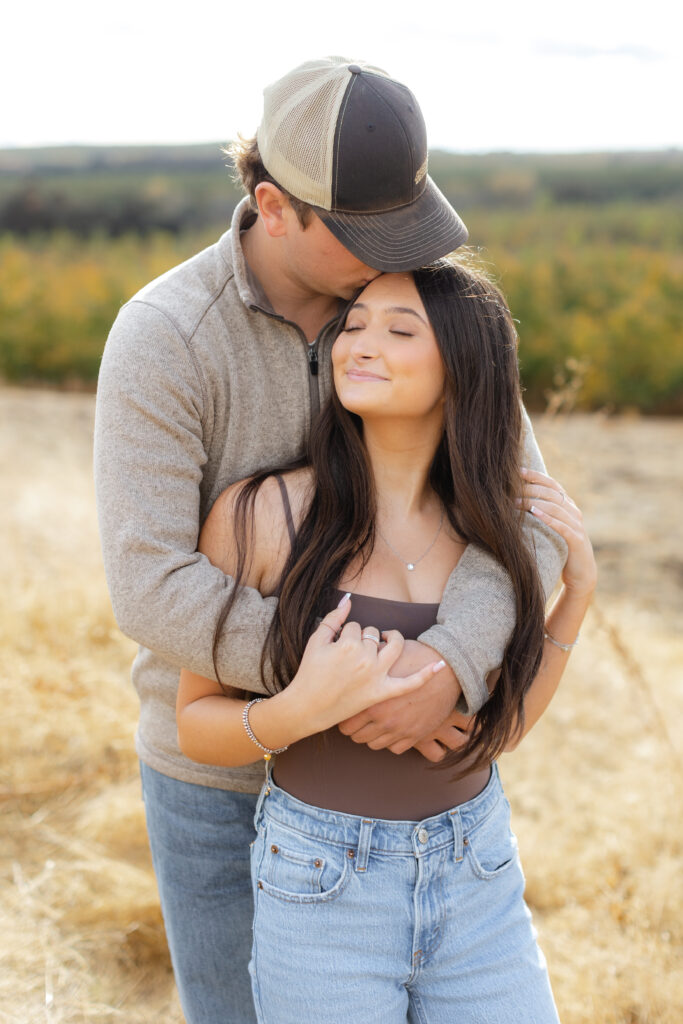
{"points": [[498, 74]]}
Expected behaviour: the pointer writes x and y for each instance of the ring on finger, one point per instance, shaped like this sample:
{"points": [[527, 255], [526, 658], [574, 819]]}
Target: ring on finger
{"points": [[370, 636]]}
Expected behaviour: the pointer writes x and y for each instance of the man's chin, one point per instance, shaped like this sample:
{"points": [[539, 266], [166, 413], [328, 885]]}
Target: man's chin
{"points": [[350, 291]]}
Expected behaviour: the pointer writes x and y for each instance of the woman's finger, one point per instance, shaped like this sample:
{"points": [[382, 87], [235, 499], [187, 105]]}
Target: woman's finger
{"points": [[563, 512], [330, 625], [559, 521], [550, 493], [397, 686], [533, 476], [540, 485], [370, 637], [391, 650]]}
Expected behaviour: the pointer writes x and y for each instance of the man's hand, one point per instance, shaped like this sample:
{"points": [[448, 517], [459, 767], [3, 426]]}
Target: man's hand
{"points": [[453, 733], [403, 722]]}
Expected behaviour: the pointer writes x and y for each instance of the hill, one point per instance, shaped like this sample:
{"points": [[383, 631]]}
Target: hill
{"points": [[114, 190]]}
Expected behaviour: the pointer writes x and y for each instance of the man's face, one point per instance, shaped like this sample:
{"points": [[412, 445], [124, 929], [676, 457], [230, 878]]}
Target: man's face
{"points": [[322, 265]]}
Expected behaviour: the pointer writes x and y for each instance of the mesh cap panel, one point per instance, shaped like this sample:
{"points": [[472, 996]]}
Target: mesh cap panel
{"points": [[296, 135]]}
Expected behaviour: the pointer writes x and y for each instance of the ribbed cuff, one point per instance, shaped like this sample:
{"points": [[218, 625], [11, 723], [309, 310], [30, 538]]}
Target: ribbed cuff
{"points": [[474, 690]]}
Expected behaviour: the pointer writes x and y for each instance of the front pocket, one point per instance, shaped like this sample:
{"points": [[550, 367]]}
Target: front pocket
{"points": [[300, 869], [491, 844]]}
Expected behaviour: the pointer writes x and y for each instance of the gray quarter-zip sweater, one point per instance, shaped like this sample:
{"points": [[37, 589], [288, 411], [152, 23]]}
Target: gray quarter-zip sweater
{"points": [[203, 384]]}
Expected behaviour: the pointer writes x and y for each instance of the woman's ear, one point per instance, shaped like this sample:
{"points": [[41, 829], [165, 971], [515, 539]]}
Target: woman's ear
{"points": [[272, 207]]}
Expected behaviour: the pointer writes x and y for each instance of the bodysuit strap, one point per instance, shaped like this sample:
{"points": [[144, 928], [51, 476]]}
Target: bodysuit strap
{"points": [[287, 507]]}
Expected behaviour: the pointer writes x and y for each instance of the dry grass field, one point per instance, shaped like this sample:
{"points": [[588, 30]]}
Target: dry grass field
{"points": [[595, 789]]}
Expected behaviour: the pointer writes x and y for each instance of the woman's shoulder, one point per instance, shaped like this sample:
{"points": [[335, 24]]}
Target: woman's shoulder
{"points": [[292, 490], [268, 536]]}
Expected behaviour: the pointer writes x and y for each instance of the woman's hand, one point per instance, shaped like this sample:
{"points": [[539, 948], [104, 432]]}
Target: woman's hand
{"points": [[545, 498], [345, 669]]}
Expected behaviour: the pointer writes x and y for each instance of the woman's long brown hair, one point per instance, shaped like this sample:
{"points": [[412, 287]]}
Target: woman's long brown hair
{"points": [[475, 473]]}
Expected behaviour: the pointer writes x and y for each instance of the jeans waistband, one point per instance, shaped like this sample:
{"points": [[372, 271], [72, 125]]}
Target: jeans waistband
{"points": [[378, 835]]}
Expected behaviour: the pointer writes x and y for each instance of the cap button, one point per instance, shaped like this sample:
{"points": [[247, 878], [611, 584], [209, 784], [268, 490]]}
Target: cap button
{"points": [[355, 69]]}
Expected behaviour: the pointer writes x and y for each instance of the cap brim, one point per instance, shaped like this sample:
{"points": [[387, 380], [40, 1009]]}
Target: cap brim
{"points": [[402, 239]]}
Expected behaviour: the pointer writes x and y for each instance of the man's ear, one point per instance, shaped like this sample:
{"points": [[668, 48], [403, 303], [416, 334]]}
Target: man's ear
{"points": [[273, 208]]}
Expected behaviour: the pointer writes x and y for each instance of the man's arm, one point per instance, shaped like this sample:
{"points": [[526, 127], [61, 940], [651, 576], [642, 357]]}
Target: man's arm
{"points": [[474, 622], [477, 612], [149, 459]]}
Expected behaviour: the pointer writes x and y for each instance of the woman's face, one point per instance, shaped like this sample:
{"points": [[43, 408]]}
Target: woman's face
{"points": [[386, 361]]}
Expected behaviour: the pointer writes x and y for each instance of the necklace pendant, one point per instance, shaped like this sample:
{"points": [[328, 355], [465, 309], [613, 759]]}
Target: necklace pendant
{"points": [[410, 566]]}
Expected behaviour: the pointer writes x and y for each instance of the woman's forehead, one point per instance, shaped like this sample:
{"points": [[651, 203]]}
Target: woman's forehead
{"points": [[391, 291]]}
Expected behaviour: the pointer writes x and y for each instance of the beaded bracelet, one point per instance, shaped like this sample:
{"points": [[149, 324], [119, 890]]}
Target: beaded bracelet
{"points": [[563, 647], [245, 721]]}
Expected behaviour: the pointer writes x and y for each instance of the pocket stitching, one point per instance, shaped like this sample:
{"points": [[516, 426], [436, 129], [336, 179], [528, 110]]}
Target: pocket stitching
{"points": [[292, 897], [481, 872]]}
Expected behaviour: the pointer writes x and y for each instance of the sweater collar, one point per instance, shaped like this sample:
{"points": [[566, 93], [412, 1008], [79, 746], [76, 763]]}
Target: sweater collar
{"points": [[248, 285]]}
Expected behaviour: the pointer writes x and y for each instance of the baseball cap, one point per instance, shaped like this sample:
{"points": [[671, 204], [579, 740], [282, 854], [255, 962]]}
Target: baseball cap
{"points": [[346, 138]]}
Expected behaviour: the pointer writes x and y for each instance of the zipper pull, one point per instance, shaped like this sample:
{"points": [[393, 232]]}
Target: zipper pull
{"points": [[313, 360]]}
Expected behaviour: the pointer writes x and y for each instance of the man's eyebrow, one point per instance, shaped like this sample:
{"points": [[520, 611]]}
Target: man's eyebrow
{"points": [[393, 309]]}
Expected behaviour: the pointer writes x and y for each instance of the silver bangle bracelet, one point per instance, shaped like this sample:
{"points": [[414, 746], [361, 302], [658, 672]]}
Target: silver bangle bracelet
{"points": [[563, 647], [245, 722]]}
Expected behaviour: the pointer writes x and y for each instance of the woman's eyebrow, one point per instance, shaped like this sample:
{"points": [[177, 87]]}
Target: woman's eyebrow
{"points": [[406, 309]]}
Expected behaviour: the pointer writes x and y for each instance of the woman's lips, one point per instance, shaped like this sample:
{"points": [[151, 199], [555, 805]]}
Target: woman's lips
{"points": [[363, 375]]}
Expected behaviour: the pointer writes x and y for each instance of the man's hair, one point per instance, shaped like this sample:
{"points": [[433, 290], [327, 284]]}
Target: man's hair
{"points": [[249, 171]]}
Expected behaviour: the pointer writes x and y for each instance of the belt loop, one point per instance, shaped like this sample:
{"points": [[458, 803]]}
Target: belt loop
{"points": [[366, 827], [456, 822], [265, 791]]}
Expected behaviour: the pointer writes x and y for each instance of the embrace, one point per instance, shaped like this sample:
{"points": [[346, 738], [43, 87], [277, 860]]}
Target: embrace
{"points": [[326, 521]]}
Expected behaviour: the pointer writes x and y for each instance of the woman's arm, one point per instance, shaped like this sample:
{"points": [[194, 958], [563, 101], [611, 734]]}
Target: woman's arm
{"points": [[543, 497], [340, 673]]}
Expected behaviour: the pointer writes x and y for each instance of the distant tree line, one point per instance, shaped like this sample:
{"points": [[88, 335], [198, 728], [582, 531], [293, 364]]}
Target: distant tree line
{"points": [[114, 191]]}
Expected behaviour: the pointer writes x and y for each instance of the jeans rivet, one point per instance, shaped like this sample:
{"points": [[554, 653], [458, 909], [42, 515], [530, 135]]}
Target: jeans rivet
{"points": [[465, 842], [317, 863], [351, 853], [274, 849], [260, 885]]}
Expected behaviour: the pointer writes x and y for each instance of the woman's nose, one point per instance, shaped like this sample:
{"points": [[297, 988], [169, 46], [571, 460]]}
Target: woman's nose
{"points": [[364, 345]]}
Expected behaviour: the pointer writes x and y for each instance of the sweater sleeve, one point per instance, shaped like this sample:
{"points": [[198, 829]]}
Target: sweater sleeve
{"points": [[148, 459], [477, 612]]}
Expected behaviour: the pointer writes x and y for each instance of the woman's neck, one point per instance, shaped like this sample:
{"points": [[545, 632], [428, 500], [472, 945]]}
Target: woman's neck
{"points": [[400, 455]]}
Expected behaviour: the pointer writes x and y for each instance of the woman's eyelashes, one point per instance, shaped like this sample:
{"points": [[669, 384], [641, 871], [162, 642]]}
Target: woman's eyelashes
{"points": [[401, 332]]}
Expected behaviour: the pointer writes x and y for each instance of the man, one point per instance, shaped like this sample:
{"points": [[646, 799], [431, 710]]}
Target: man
{"points": [[213, 372]]}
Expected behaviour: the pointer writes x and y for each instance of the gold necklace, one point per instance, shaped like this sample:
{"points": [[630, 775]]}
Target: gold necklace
{"points": [[410, 566]]}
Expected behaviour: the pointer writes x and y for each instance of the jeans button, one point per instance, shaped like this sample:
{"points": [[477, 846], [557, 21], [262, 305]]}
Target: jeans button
{"points": [[423, 835]]}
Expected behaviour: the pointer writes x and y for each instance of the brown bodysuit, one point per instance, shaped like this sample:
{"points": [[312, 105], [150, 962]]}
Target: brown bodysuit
{"points": [[329, 770]]}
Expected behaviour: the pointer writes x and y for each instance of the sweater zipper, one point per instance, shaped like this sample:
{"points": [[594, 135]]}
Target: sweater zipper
{"points": [[313, 385], [311, 353]]}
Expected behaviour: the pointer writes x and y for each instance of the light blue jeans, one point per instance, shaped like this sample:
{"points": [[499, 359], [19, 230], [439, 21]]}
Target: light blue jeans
{"points": [[383, 922], [200, 839]]}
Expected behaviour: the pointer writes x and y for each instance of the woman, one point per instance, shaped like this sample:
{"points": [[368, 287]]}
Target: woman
{"points": [[388, 889]]}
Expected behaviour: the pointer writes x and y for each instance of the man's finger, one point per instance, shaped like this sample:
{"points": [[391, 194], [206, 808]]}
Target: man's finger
{"points": [[430, 749], [350, 726]]}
